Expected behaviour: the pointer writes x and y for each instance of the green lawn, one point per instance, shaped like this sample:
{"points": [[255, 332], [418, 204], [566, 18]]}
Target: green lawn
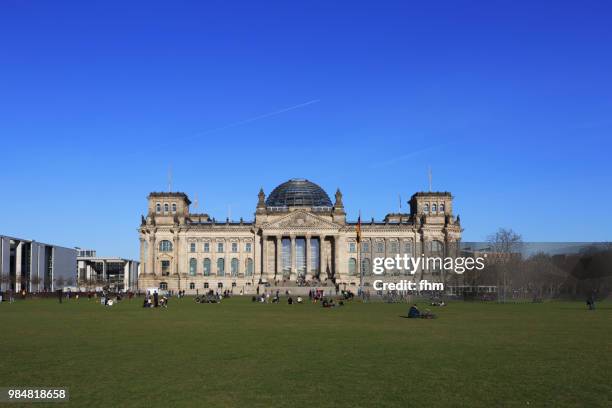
{"points": [[243, 354]]}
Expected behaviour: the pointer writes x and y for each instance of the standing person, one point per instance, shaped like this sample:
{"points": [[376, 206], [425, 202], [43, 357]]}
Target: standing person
{"points": [[155, 299], [59, 295]]}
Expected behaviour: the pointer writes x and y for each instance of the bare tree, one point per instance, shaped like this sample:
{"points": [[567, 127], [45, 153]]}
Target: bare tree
{"points": [[5, 280], [505, 250], [35, 281], [59, 282]]}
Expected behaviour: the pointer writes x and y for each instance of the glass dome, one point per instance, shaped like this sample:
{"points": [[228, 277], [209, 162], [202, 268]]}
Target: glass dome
{"points": [[298, 193]]}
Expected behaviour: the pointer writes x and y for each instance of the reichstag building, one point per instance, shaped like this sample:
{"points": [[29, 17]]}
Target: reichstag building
{"points": [[298, 237]]}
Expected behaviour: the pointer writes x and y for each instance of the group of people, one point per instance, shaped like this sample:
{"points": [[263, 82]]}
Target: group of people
{"points": [[267, 298], [107, 299], [154, 300], [326, 303]]}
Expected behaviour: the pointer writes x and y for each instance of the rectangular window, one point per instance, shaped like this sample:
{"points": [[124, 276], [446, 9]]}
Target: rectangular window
{"points": [[219, 246], [380, 247], [365, 247], [234, 247], [247, 247], [165, 268], [206, 247], [192, 247], [352, 247]]}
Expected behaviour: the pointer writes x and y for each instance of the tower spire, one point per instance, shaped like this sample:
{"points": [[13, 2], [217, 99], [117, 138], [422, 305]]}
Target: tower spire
{"points": [[429, 176]]}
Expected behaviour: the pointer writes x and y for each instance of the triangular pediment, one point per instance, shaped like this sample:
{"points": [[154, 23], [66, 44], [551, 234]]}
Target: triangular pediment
{"points": [[301, 220]]}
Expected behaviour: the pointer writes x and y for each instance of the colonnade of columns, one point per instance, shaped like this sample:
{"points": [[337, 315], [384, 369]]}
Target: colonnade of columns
{"points": [[272, 256]]}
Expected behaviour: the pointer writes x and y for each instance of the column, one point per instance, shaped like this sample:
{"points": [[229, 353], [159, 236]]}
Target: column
{"points": [[279, 257], [104, 271], [308, 268], [126, 275], [175, 243], [336, 256], [264, 257], [150, 270], [142, 251], [322, 271], [293, 275], [18, 271]]}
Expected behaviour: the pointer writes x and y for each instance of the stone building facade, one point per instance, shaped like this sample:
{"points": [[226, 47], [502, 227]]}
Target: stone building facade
{"points": [[298, 236]]}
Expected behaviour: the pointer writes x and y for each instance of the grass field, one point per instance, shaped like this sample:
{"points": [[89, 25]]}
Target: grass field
{"points": [[243, 354]]}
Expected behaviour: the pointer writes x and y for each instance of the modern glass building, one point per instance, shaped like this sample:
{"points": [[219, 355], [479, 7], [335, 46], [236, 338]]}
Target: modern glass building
{"points": [[33, 266]]}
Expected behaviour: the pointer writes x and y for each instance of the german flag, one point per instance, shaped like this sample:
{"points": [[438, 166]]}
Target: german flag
{"points": [[358, 228]]}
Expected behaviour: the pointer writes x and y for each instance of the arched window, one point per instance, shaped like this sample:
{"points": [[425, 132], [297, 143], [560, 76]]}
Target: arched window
{"points": [[352, 266], [365, 266], [434, 208], [158, 207], [165, 246], [426, 208], [220, 267], [249, 267], [166, 208], [235, 266], [163, 286], [173, 207], [441, 208], [193, 266], [206, 266], [192, 285]]}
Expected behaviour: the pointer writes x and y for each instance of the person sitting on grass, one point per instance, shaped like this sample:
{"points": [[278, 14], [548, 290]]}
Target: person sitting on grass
{"points": [[289, 300], [414, 312], [590, 303]]}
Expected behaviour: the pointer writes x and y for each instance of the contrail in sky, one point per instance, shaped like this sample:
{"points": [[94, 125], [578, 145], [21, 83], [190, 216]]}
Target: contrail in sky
{"points": [[239, 123], [406, 156], [253, 119]]}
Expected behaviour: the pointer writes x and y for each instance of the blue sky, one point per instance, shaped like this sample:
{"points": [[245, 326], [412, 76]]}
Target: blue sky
{"points": [[510, 104]]}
